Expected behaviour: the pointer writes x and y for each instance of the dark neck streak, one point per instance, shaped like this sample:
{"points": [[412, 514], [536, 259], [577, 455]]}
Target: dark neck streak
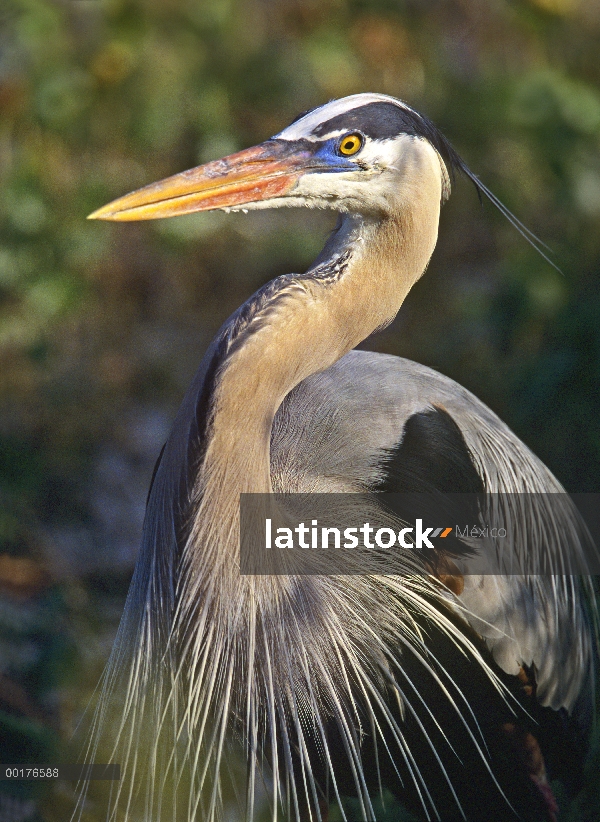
{"points": [[300, 325]]}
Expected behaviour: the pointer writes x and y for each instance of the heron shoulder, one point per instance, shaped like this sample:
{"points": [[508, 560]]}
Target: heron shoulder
{"points": [[375, 422], [343, 423]]}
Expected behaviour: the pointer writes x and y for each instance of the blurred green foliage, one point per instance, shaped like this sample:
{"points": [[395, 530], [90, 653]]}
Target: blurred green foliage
{"points": [[101, 324]]}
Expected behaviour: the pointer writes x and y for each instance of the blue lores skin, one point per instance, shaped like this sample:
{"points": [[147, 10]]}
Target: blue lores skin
{"points": [[324, 156], [328, 152]]}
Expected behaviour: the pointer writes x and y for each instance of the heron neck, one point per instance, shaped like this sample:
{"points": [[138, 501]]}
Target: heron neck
{"points": [[356, 285]]}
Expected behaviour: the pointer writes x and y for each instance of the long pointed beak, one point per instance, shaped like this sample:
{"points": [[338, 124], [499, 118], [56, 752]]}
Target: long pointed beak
{"points": [[264, 172]]}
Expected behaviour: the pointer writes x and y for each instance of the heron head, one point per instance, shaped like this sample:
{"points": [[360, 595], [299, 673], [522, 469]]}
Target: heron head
{"points": [[365, 153]]}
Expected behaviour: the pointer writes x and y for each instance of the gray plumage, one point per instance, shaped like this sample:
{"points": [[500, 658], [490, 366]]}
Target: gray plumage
{"points": [[332, 433]]}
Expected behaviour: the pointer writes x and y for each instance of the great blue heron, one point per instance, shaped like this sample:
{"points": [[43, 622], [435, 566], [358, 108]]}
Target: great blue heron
{"points": [[314, 680]]}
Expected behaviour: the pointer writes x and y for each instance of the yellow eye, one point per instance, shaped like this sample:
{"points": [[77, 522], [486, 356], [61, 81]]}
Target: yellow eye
{"points": [[350, 144]]}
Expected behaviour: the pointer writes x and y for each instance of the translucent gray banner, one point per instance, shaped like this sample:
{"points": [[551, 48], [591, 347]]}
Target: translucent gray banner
{"points": [[420, 534]]}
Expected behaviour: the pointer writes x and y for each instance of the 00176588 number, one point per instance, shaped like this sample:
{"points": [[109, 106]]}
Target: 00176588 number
{"points": [[30, 773]]}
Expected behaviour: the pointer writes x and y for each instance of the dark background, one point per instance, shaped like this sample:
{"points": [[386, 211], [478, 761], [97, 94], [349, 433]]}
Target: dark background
{"points": [[102, 326]]}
